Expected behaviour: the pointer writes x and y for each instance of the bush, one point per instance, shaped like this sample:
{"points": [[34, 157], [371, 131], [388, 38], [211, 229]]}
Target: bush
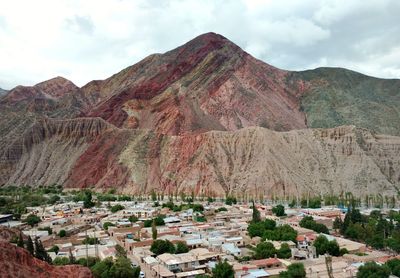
{"points": [[90, 241], [48, 229], [116, 208], [61, 261], [91, 261], [107, 224], [162, 246], [201, 219], [230, 200], [222, 209], [62, 233]]}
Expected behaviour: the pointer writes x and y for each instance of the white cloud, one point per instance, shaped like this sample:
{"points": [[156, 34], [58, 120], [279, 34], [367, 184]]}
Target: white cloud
{"points": [[92, 39]]}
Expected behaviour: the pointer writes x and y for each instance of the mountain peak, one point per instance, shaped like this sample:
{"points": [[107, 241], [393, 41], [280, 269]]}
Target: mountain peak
{"points": [[210, 36], [57, 86]]}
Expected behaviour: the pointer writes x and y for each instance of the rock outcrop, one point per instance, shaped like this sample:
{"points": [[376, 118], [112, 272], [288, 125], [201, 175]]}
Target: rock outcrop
{"points": [[17, 262]]}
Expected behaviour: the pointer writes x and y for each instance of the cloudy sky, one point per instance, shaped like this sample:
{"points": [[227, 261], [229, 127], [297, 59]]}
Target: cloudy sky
{"points": [[93, 39]]}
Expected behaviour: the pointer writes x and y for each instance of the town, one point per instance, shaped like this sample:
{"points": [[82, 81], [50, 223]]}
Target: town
{"points": [[190, 236]]}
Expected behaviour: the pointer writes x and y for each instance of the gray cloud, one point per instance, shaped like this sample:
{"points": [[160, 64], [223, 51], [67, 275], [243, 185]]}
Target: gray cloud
{"points": [[80, 24], [91, 39]]}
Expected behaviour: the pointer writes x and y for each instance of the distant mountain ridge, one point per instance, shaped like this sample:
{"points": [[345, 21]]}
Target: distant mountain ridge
{"points": [[206, 117], [2, 92]]}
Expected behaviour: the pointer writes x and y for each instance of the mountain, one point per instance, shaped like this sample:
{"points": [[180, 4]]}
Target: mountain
{"points": [[207, 84], [206, 117]]}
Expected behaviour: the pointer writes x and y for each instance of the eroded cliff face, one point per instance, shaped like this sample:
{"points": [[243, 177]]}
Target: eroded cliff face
{"points": [[264, 162], [254, 160], [17, 262], [48, 150]]}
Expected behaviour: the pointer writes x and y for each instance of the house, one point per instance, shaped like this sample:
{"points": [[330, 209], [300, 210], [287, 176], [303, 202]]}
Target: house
{"points": [[133, 231], [238, 240], [190, 274], [231, 249], [195, 242], [305, 240], [255, 273], [141, 213], [178, 262], [161, 271], [267, 263]]}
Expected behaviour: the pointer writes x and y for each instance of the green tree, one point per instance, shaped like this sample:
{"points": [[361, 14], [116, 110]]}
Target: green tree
{"points": [[62, 233], [181, 247], [133, 219], [87, 199], [90, 240], [107, 224], [223, 270], [394, 266], [309, 223], [373, 270], [29, 246], [102, 268], [159, 220], [40, 252], [230, 200], [159, 247], [264, 250], [295, 270], [20, 242], [153, 195], [54, 249], [323, 246], [121, 252], [284, 252], [116, 208], [122, 268], [154, 230], [256, 214], [32, 220], [279, 210], [338, 223], [89, 262], [53, 199]]}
